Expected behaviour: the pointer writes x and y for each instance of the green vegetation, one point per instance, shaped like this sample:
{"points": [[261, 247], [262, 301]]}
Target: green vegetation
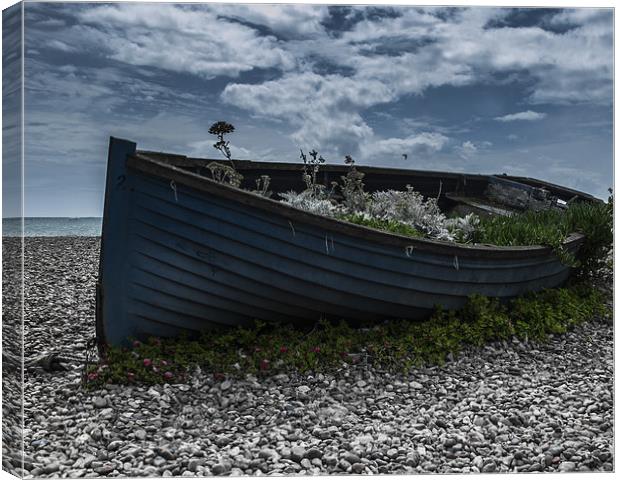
{"points": [[392, 226], [396, 345], [548, 227], [227, 174]]}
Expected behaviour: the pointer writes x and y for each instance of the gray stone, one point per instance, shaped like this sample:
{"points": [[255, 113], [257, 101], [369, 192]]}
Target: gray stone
{"points": [[115, 445], [567, 467], [297, 453], [351, 458], [314, 453], [51, 468], [220, 469], [268, 453]]}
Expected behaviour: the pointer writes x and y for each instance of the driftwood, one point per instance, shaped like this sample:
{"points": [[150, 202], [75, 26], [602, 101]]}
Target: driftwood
{"points": [[49, 362]]}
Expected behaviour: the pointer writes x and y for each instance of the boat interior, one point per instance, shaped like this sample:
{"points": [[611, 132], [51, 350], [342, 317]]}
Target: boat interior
{"points": [[457, 193]]}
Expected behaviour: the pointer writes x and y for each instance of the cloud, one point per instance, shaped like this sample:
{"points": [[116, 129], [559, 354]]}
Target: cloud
{"points": [[528, 115], [468, 149], [182, 39], [414, 146], [290, 21]]}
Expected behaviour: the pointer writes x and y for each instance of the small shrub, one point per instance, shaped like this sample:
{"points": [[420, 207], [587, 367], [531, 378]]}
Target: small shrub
{"points": [[352, 188], [308, 202]]}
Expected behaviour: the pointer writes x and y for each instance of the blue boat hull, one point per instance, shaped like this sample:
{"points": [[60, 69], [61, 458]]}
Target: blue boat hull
{"points": [[182, 254]]}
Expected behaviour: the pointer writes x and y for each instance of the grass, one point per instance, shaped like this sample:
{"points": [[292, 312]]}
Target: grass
{"points": [[548, 227], [551, 227], [392, 226], [393, 345]]}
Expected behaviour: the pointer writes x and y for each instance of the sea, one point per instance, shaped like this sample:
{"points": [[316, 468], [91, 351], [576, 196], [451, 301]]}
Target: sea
{"points": [[52, 227]]}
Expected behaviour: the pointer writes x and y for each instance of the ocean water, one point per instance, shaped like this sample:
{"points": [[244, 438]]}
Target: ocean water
{"points": [[53, 227]]}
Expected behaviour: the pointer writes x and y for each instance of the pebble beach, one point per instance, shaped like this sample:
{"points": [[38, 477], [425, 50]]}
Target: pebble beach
{"points": [[506, 407]]}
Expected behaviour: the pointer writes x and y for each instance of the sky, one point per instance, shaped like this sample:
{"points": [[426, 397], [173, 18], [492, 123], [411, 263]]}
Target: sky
{"points": [[480, 90]]}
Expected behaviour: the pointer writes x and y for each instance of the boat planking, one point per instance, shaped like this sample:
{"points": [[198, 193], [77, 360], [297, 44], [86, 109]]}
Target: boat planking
{"points": [[183, 254]]}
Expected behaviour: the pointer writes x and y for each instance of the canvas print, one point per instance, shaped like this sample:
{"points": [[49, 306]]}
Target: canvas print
{"points": [[294, 239]]}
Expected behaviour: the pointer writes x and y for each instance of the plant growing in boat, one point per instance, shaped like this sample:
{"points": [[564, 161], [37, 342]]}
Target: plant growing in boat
{"points": [[352, 188], [219, 172], [262, 186], [220, 129], [311, 170], [315, 198], [396, 211], [307, 201]]}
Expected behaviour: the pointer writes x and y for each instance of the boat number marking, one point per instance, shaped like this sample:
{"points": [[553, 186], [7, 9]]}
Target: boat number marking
{"points": [[120, 180]]}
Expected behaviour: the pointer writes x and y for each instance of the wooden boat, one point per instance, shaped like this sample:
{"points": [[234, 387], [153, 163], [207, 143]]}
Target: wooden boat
{"points": [[183, 253]]}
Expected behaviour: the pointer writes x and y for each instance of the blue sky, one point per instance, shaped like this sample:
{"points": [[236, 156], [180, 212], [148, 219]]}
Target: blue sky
{"points": [[491, 90]]}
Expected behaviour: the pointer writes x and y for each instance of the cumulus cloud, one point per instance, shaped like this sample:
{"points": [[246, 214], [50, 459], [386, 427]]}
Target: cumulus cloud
{"points": [[528, 115], [325, 83], [183, 39], [321, 86], [468, 149], [419, 145]]}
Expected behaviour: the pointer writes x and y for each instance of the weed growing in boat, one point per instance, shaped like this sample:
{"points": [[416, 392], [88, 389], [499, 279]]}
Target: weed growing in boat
{"points": [[393, 345], [405, 213], [219, 172], [315, 198], [550, 227], [262, 186], [392, 226], [410, 207], [352, 188], [225, 174], [220, 129], [308, 202], [311, 170]]}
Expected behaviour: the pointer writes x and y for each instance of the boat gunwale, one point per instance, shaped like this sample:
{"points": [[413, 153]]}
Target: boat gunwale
{"points": [[140, 161]]}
